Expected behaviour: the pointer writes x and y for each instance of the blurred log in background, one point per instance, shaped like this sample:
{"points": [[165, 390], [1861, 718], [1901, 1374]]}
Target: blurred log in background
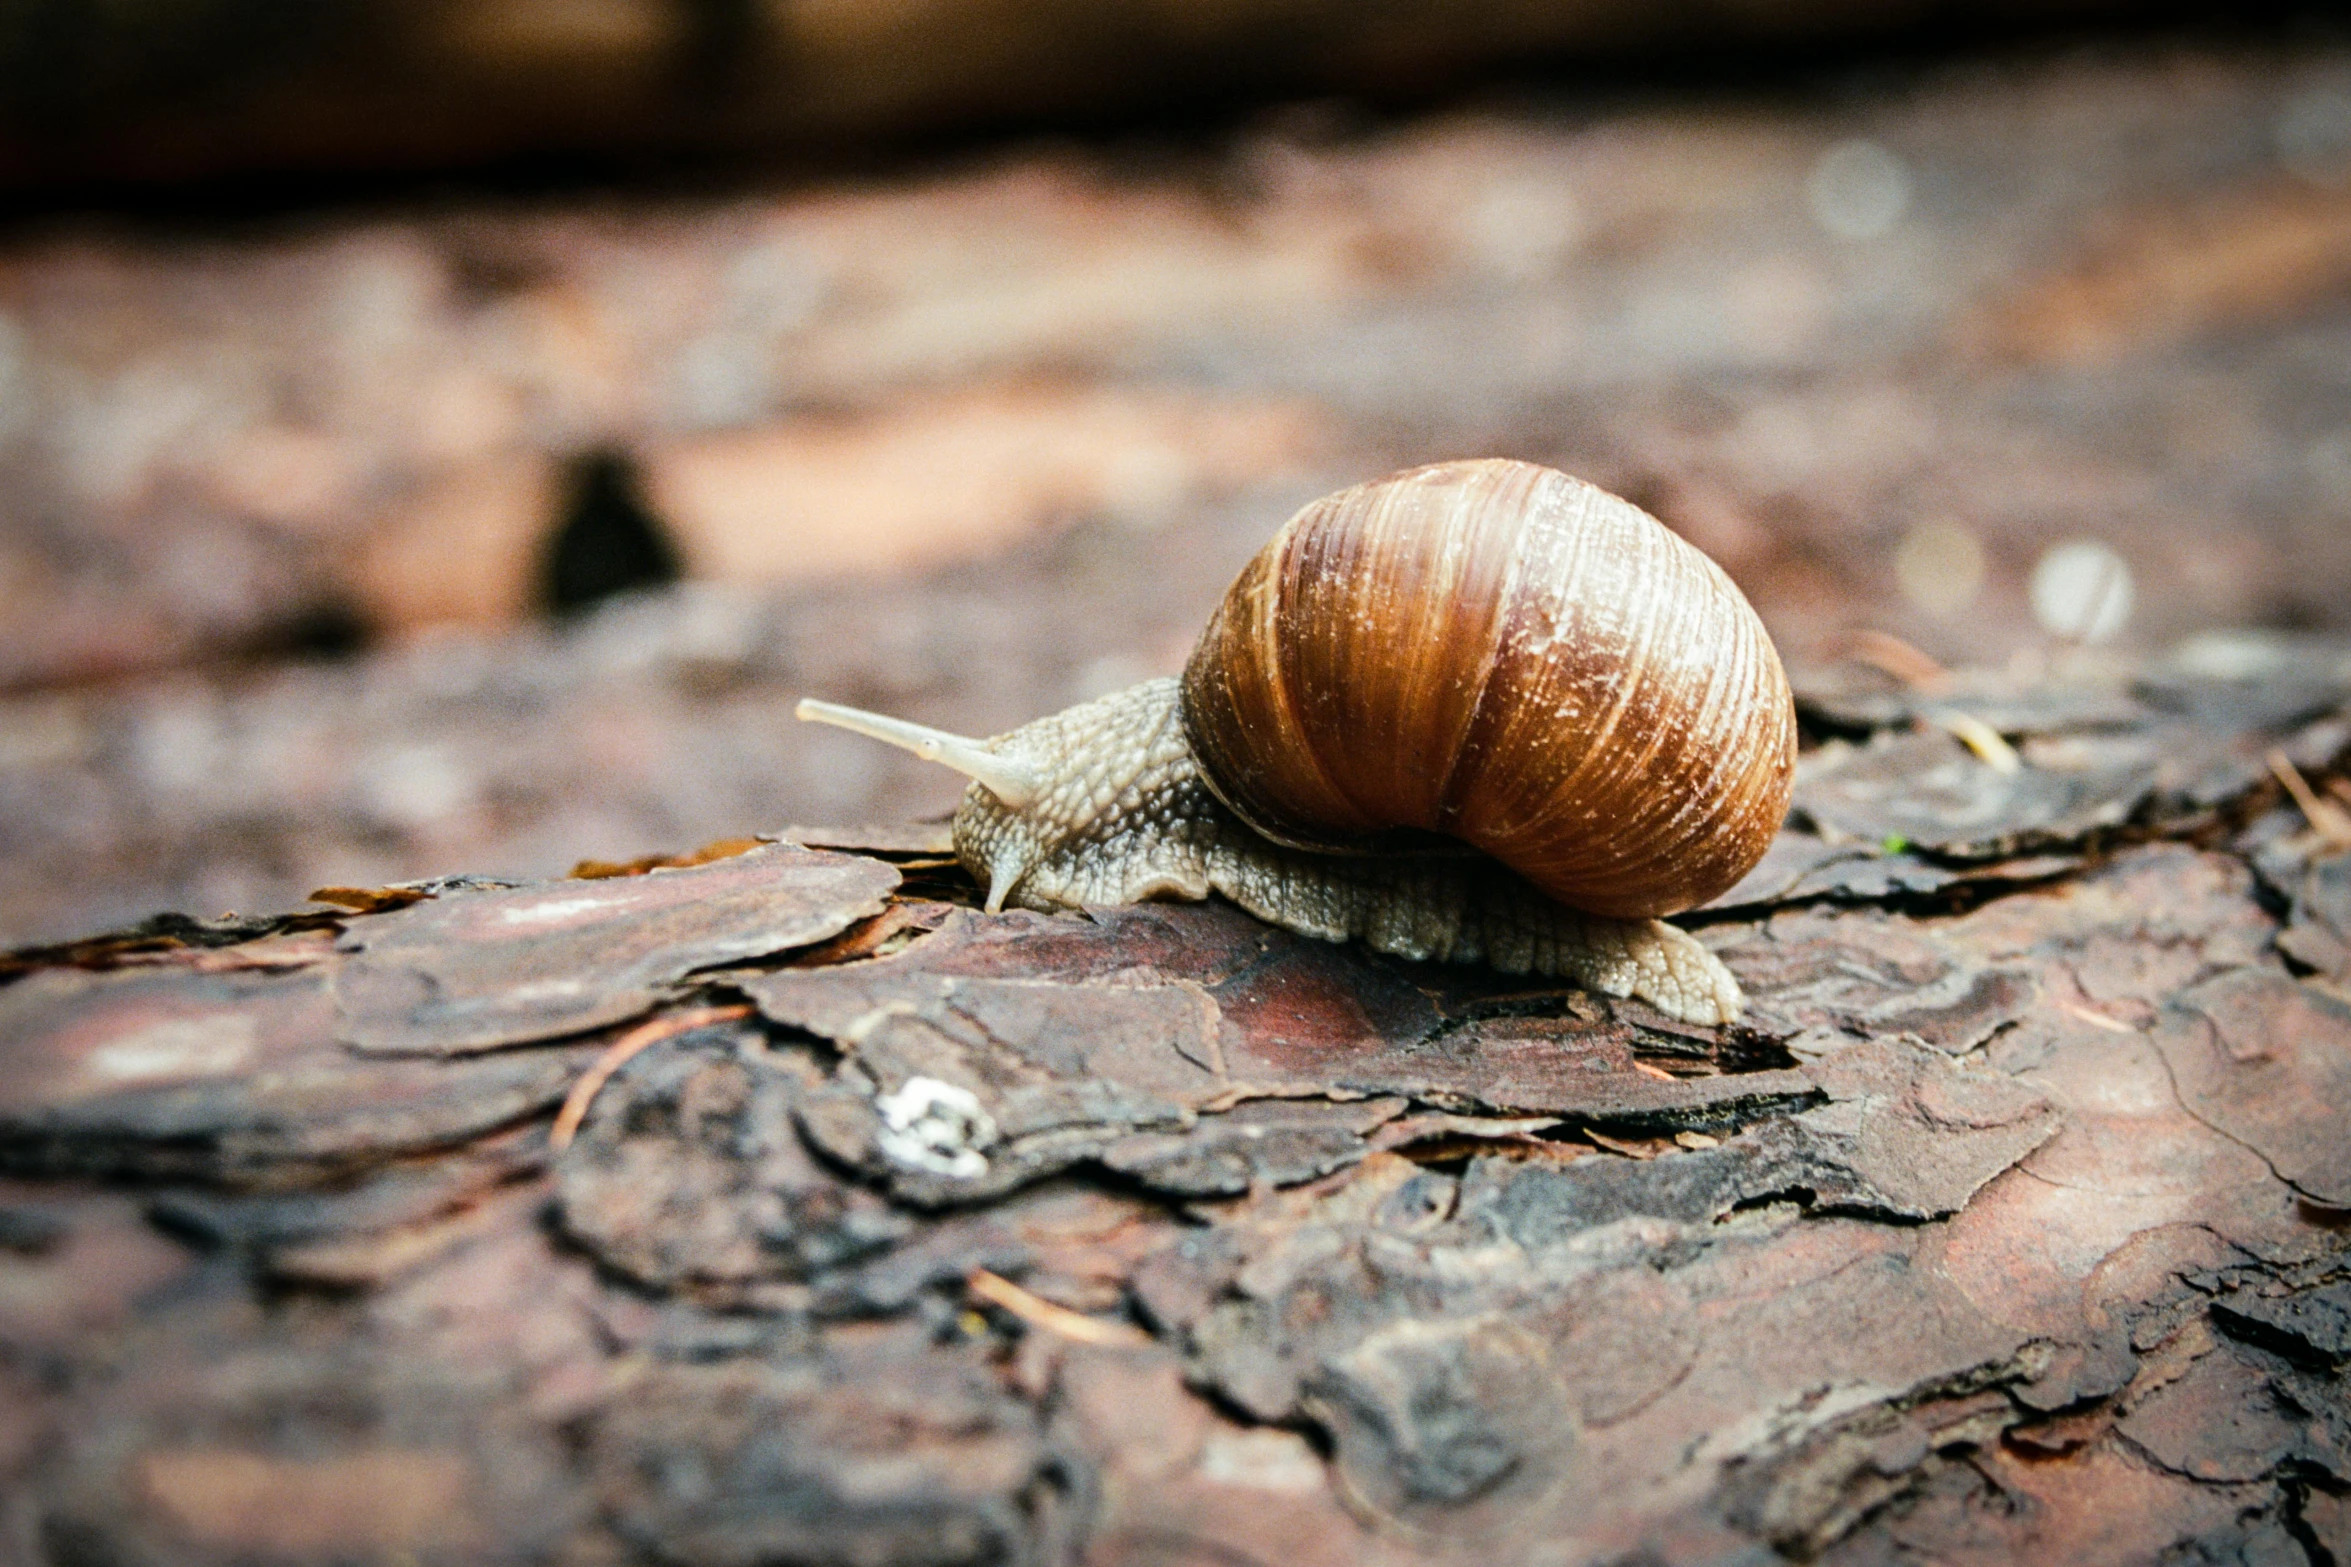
{"points": [[147, 91], [359, 528]]}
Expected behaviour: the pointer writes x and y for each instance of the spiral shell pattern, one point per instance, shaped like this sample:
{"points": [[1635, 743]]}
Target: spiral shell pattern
{"points": [[1511, 657]]}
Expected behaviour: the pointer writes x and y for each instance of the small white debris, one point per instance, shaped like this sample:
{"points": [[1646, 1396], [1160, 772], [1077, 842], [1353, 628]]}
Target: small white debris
{"points": [[935, 1126], [2082, 591]]}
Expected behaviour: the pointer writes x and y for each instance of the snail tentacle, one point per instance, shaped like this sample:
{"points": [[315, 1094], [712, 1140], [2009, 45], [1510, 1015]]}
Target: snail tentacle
{"points": [[1007, 778]]}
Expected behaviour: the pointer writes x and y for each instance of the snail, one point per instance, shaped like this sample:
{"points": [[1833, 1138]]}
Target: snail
{"points": [[1475, 711]]}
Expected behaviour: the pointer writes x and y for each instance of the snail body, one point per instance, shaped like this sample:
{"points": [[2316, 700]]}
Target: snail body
{"points": [[1477, 711]]}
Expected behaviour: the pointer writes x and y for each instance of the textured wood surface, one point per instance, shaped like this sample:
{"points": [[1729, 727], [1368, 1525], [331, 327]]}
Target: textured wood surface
{"points": [[2009, 1226], [772, 1203]]}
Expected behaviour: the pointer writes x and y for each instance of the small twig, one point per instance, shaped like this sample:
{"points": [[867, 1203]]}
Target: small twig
{"points": [[2329, 820], [2112, 1025], [1979, 737], [621, 1052], [1042, 1313], [1630, 1147], [1884, 651]]}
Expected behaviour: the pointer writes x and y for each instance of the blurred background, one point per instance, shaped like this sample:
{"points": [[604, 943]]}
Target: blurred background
{"points": [[445, 435]]}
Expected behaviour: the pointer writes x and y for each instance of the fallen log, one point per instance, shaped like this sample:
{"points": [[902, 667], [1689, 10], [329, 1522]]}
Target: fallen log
{"points": [[784, 1206]]}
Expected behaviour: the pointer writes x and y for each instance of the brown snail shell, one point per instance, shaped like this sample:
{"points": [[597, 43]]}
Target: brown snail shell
{"points": [[1500, 653]]}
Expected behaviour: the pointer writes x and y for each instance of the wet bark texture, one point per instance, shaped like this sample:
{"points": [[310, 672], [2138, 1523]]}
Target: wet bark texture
{"points": [[2013, 1223]]}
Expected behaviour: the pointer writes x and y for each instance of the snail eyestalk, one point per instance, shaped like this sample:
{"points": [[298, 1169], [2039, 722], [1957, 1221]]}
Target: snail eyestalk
{"points": [[1007, 780]]}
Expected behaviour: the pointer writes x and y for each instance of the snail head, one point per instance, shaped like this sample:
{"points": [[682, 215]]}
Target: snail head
{"points": [[1070, 795]]}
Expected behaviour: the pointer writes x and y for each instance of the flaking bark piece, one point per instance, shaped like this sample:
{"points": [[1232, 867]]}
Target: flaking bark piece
{"points": [[167, 1072], [1929, 791], [690, 1175], [2223, 1420], [1917, 815], [1802, 868], [2199, 770], [958, 1088], [2318, 930], [156, 936], [1266, 1142], [900, 840], [1904, 1134], [1843, 698], [1442, 1135], [1919, 1134], [1003, 1048], [2250, 680], [1069, 1241], [2309, 1325], [1659, 1334], [263, 1224], [2129, 934], [1586, 1068], [2267, 1062], [1862, 972], [401, 894], [477, 971]]}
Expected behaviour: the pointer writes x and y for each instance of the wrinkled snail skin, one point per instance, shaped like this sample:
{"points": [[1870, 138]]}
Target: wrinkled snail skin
{"points": [[1127, 817], [1490, 651]]}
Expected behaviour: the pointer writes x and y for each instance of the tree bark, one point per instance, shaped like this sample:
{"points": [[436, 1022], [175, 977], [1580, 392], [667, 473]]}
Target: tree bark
{"points": [[2010, 1224]]}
